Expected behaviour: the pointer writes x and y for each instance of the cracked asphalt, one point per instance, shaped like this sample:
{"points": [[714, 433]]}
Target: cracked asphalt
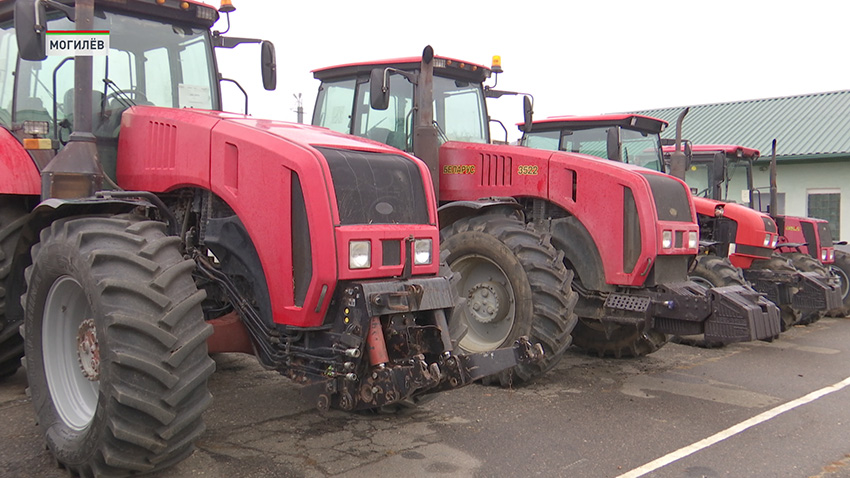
{"points": [[589, 417]]}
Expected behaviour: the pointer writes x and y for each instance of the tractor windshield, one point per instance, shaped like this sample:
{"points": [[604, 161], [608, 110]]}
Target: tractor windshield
{"points": [[642, 149], [149, 63], [459, 111]]}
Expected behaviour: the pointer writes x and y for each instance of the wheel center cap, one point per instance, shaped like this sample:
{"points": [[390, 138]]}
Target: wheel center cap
{"points": [[88, 350], [488, 302]]}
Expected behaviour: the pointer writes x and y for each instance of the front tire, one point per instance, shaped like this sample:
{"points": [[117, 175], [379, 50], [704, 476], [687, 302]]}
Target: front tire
{"points": [[841, 269], [515, 284], [12, 217], [115, 345], [807, 263]]}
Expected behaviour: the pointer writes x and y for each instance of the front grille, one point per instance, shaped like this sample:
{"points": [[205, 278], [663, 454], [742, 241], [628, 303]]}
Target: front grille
{"points": [[376, 188], [825, 234], [769, 224], [810, 237], [671, 198], [391, 252]]}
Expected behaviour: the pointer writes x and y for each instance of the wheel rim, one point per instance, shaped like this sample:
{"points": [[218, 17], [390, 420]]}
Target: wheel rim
{"points": [[71, 353], [842, 277], [489, 313]]}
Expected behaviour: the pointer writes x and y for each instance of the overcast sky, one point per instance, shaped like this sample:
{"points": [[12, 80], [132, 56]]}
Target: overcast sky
{"points": [[575, 57]]}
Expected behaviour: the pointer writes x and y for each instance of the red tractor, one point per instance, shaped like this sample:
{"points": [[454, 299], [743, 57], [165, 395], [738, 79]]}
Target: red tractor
{"points": [[744, 236], [141, 229], [804, 241], [627, 234]]}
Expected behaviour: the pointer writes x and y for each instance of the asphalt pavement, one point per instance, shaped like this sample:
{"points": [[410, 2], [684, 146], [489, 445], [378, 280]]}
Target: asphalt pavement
{"points": [[746, 410]]}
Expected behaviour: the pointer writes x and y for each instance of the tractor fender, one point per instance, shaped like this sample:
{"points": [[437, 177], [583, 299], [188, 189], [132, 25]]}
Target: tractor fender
{"points": [[20, 174], [42, 216], [580, 252], [450, 213]]}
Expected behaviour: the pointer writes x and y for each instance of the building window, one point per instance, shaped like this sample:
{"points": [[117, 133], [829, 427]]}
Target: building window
{"points": [[826, 204]]}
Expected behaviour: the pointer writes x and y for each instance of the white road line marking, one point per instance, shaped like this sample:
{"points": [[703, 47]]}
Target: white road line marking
{"points": [[733, 430]]}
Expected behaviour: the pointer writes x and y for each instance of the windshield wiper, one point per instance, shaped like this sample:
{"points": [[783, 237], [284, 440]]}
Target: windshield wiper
{"points": [[119, 94]]}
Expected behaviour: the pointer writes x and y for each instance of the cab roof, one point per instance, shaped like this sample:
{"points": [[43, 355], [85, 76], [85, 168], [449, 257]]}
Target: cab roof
{"points": [[196, 12], [646, 124], [728, 149], [443, 64]]}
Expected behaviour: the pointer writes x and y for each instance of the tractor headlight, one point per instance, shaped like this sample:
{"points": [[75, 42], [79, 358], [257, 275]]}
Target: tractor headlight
{"points": [[732, 248], [767, 239], [774, 241], [422, 251], [693, 240], [359, 254], [824, 255], [666, 239]]}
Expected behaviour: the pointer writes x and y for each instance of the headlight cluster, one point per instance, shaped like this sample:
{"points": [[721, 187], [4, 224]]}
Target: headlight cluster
{"points": [[732, 248], [693, 240], [360, 253], [666, 239], [827, 255], [770, 240], [422, 251]]}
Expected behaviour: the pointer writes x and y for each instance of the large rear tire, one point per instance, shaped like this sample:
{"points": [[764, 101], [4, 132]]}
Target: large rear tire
{"points": [[841, 269], [12, 216], [115, 342], [807, 263], [515, 284]]}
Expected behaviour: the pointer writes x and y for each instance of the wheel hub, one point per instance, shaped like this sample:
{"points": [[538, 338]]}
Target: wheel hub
{"points": [[488, 302], [88, 350]]}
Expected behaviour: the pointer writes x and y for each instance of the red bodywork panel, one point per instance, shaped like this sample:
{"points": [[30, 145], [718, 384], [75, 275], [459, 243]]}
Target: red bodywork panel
{"points": [[794, 233], [20, 175], [751, 229], [471, 171], [249, 163]]}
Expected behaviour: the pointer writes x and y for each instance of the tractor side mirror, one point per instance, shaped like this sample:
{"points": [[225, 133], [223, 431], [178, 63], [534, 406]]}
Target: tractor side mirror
{"points": [[379, 93], [527, 113], [719, 168], [613, 143], [30, 34], [269, 65]]}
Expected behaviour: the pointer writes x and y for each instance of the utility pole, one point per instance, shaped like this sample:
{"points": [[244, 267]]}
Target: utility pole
{"points": [[299, 108]]}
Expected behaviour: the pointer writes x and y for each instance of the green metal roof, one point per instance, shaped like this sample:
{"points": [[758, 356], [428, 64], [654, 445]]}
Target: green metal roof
{"points": [[812, 127]]}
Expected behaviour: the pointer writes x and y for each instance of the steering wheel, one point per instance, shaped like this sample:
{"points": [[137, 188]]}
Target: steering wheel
{"points": [[134, 94]]}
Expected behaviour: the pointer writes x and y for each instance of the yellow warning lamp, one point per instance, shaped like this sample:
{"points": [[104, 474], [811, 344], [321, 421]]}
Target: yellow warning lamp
{"points": [[497, 64], [226, 7]]}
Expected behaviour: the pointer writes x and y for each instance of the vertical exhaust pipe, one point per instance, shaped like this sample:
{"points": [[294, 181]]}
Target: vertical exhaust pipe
{"points": [[773, 190], [678, 158]]}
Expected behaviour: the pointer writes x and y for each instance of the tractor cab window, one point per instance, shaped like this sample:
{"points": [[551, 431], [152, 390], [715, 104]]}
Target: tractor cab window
{"points": [[149, 63], [698, 178], [392, 126], [547, 140], [459, 111], [8, 58], [333, 106], [642, 149]]}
